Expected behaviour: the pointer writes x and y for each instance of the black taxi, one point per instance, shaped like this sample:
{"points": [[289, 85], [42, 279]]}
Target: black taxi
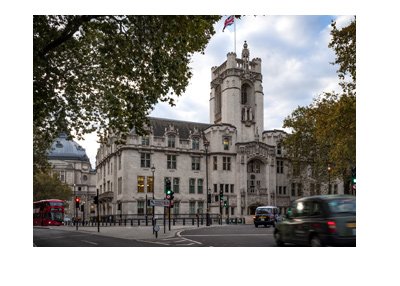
{"points": [[319, 221]]}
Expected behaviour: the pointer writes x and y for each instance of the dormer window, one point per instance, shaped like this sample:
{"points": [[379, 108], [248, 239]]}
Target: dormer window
{"points": [[226, 143], [146, 140], [195, 144], [171, 141]]}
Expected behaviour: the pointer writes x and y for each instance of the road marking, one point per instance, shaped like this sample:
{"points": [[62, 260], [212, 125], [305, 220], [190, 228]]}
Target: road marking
{"points": [[149, 241], [90, 242], [179, 235], [251, 234]]}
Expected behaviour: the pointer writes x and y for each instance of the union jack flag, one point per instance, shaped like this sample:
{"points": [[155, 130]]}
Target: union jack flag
{"points": [[229, 21]]}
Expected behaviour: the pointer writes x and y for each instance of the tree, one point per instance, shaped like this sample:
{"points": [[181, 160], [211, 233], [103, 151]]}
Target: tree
{"points": [[324, 133], [106, 73], [48, 186]]}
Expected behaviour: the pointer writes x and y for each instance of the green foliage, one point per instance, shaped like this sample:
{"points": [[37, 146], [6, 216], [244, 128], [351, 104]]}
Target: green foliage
{"points": [[324, 133], [48, 186], [106, 73]]}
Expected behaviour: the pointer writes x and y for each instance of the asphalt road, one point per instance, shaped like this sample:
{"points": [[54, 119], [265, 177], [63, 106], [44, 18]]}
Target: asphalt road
{"points": [[44, 237], [232, 236], [216, 236]]}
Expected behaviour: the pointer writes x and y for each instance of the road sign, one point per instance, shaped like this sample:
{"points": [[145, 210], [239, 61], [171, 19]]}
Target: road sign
{"points": [[159, 203]]}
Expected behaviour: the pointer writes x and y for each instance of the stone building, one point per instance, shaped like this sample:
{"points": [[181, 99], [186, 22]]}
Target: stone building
{"points": [[231, 154], [69, 160]]}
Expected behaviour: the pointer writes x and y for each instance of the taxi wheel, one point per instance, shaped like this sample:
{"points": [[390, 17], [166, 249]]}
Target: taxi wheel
{"points": [[278, 239], [256, 225], [315, 241]]}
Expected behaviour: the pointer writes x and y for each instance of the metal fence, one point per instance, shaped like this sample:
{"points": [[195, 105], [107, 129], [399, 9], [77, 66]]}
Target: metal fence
{"points": [[143, 220]]}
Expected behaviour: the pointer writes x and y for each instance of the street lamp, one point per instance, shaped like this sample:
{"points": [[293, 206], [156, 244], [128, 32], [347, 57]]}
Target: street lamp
{"points": [[206, 144], [153, 169], [329, 178]]}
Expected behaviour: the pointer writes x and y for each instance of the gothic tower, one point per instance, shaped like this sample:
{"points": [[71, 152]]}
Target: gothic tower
{"points": [[237, 95]]}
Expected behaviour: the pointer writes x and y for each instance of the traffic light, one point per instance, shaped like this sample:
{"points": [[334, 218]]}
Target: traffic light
{"points": [[225, 204], [170, 195], [96, 200], [82, 208], [209, 198], [77, 201], [221, 196], [167, 185], [353, 175]]}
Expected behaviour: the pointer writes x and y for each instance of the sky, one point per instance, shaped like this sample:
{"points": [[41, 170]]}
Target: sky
{"points": [[295, 67]]}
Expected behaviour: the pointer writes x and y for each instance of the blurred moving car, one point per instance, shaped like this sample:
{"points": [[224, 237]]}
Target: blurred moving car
{"points": [[266, 216], [319, 221]]}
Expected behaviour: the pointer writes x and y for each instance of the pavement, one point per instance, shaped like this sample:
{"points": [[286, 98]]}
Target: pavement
{"points": [[132, 232]]}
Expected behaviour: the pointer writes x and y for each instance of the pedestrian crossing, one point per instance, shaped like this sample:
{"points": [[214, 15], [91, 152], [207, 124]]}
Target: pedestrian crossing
{"points": [[173, 241]]}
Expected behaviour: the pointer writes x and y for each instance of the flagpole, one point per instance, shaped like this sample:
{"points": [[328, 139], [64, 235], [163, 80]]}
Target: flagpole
{"points": [[234, 26]]}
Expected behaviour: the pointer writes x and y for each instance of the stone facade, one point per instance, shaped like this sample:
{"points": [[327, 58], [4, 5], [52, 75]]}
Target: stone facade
{"points": [[70, 162], [232, 154]]}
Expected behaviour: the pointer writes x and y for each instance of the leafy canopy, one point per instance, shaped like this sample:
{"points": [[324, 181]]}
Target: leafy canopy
{"points": [[106, 73], [324, 133]]}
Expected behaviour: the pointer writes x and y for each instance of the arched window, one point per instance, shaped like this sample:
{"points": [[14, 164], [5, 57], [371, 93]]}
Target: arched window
{"points": [[218, 99]]}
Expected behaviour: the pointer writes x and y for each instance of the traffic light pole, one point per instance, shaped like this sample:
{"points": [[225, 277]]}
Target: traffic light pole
{"points": [[98, 215]]}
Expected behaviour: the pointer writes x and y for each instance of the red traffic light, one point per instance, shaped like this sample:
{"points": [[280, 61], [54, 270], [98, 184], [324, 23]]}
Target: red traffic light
{"points": [[77, 199]]}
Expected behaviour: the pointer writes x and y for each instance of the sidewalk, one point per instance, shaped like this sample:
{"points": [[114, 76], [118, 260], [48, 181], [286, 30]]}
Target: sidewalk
{"points": [[131, 232]]}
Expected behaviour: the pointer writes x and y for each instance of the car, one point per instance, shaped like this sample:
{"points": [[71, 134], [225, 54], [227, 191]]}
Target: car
{"points": [[325, 220], [266, 216]]}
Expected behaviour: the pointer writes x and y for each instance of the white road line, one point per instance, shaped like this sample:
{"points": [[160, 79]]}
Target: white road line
{"points": [[148, 241], [90, 242], [266, 234]]}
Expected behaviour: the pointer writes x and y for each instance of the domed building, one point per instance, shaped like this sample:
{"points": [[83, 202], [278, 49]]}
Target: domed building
{"points": [[70, 162]]}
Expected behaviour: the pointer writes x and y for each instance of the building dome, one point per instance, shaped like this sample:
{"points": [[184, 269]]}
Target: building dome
{"points": [[64, 149]]}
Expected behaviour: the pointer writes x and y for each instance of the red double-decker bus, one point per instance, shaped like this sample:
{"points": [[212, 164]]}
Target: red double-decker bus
{"points": [[48, 212]]}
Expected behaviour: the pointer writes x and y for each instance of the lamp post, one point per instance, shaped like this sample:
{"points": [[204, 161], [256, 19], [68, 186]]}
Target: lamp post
{"points": [[329, 178], [206, 144], [153, 169]]}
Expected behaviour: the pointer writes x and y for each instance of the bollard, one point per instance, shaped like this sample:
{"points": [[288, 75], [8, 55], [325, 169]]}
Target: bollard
{"points": [[138, 222], [183, 221], [192, 221]]}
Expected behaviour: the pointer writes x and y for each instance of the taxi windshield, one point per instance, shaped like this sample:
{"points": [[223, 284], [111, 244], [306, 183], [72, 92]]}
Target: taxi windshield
{"points": [[342, 205], [262, 211]]}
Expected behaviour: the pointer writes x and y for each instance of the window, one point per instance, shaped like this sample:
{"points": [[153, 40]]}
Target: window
{"points": [[215, 163], [217, 100], [195, 144], [226, 163], [200, 207], [145, 160], [192, 207], [299, 190], [215, 188], [61, 176], [175, 186], [145, 140], [226, 143], [279, 166], [243, 98], [199, 186], [140, 184], [176, 207], [119, 185], [150, 184], [119, 162], [232, 188], [279, 149], [254, 166], [293, 189], [171, 161], [196, 163], [191, 186], [140, 207], [171, 141]]}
